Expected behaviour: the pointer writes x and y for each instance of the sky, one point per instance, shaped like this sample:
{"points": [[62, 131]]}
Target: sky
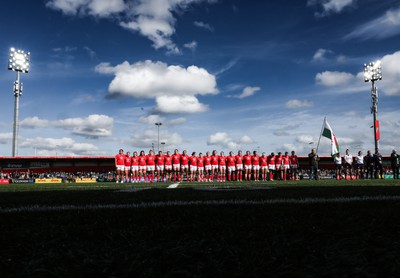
{"points": [[218, 74]]}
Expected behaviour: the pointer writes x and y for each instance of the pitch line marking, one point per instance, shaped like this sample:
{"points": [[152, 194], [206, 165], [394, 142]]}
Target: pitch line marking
{"points": [[174, 185], [304, 201]]}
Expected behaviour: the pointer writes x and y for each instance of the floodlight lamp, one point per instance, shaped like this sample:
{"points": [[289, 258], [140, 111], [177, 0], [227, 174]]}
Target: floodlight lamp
{"points": [[18, 60]]}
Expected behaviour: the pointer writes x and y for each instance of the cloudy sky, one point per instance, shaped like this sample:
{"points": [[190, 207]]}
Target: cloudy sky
{"points": [[218, 74]]}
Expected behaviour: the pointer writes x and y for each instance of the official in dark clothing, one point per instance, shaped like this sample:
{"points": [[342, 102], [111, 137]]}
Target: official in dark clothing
{"points": [[378, 165], [394, 162], [313, 159]]}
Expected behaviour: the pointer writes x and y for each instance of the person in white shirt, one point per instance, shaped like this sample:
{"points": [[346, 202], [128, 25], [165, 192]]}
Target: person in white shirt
{"points": [[338, 166], [348, 164], [360, 165]]}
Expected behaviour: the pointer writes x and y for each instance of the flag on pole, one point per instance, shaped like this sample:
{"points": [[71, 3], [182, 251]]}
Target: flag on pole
{"points": [[328, 133]]}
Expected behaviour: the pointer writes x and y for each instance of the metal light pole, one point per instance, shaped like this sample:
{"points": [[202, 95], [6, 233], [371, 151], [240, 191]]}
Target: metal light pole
{"points": [[158, 135], [373, 72], [18, 61], [162, 144]]}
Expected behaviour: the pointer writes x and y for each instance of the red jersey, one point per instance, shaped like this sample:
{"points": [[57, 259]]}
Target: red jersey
{"points": [[255, 160], [142, 160], [120, 159], [168, 160], [294, 160], [127, 161], [286, 160], [214, 160], [279, 160], [193, 160], [184, 159], [200, 162], [222, 160], [160, 159], [134, 161], [239, 159], [230, 160], [176, 159], [207, 160], [271, 159], [247, 159], [151, 160], [263, 160]]}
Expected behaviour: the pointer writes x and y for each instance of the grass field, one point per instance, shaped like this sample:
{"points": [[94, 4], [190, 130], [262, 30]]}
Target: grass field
{"points": [[305, 228]]}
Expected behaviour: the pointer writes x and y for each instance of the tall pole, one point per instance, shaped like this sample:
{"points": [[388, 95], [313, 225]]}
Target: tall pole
{"points": [[374, 110], [17, 94], [158, 135]]}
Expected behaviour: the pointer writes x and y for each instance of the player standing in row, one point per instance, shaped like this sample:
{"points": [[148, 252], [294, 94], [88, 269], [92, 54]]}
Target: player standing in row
{"points": [[160, 161], [264, 166], [127, 164], [176, 165], [184, 166], [348, 165], [286, 166], [247, 166], [255, 161], [271, 166], [120, 165], [221, 167], [279, 166], [239, 166], [338, 166], [142, 166], [230, 164], [360, 165], [135, 167], [214, 165], [294, 165], [168, 166], [207, 166], [193, 167], [151, 165], [200, 168]]}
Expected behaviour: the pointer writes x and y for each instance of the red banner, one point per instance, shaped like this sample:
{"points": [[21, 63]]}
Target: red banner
{"points": [[378, 131], [4, 181]]}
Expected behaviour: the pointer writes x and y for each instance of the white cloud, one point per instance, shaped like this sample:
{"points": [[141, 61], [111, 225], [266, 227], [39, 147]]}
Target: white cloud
{"points": [[93, 126], [385, 26], [98, 8], [295, 104], [191, 45], [334, 78], [330, 6], [173, 87], [320, 54], [5, 138], [177, 121], [151, 119], [391, 74], [248, 92], [224, 140], [203, 25], [149, 137]]}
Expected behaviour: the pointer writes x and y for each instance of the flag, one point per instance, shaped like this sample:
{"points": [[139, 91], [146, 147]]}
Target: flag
{"points": [[328, 133]]}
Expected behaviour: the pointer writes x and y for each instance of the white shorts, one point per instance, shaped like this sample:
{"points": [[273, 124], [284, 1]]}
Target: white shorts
{"points": [[160, 167], [120, 167], [264, 167], [247, 167], [223, 167], [271, 166], [142, 167], [294, 166], [256, 167], [239, 166], [135, 168], [200, 168], [193, 168], [214, 167], [151, 167], [278, 167], [207, 167], [231, 168], [168, 167], [183, 167], [176, 166], [286, 166], [127, 168]]}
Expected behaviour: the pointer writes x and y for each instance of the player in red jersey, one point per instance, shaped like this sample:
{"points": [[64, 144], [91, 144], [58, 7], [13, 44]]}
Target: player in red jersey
{"points": [[168, 166], [120, 165], [151, 165], [184, 165], [271, 166], [239, 166], [200, 167], [230, 164], [160, 166], [264, 166], [222, 167], [142, 166], [214, 165], [279, 166], [294, 165], [135, 167], [286, 165], [193, 167], [247, 166], [127, 163], [255, 161], [207, 166], [176, 165]]}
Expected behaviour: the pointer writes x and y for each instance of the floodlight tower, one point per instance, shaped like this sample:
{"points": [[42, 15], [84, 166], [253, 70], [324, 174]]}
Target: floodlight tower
{"points": [[373, 73], [18, 61], [158, 135]]}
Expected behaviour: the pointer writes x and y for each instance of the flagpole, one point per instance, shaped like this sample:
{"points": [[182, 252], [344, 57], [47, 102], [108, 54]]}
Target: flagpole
{"points": [[322, 129]]}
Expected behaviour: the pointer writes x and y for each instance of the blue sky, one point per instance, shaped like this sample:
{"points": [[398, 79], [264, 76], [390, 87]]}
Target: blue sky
{"points": [[218, 74]]}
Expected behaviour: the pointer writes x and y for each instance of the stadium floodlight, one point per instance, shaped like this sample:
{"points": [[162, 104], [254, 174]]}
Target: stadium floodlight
{"points": [[158, 135], [18, 61], [373, 73]]}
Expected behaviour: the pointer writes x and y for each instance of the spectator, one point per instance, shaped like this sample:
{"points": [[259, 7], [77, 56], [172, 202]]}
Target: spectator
{"points": [[394, 162]]}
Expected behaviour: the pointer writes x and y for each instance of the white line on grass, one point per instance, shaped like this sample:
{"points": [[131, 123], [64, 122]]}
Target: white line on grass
{"points": [[305, 201], [174, 185]]}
